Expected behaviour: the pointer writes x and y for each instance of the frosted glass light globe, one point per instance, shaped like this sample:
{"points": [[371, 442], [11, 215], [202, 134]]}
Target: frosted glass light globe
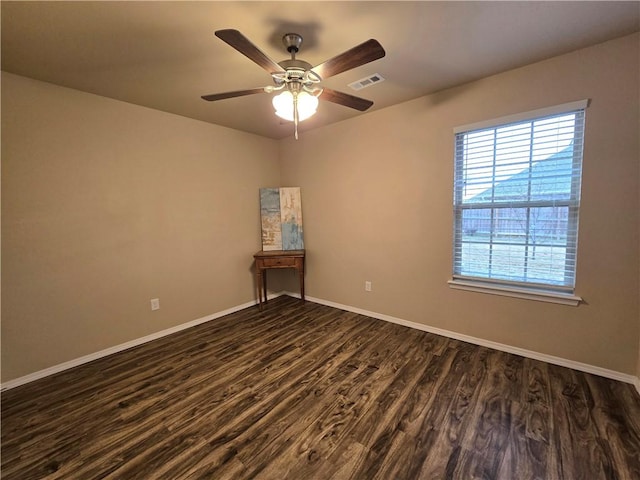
{"points": [[283, 103]]}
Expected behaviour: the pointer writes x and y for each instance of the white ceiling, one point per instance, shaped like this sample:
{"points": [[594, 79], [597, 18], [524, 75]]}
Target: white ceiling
{"points": [[164, 55]]}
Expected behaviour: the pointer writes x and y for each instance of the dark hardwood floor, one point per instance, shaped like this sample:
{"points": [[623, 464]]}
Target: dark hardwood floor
{"points": [[304, 391]]}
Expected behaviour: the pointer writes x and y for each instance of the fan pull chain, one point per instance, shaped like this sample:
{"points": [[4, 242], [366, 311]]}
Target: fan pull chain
{"points": [[295, 114]]}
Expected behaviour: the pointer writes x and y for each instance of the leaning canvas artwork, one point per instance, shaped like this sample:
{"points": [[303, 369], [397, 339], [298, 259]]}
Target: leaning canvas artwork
{"points": [[281, 216], [270, 218]]}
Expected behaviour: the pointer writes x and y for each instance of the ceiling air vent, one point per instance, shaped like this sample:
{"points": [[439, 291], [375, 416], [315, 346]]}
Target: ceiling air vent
{"points": [[367, 81]]}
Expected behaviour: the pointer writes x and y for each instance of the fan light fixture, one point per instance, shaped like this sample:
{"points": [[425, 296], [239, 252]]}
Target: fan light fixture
{"points": [[286, 103]]}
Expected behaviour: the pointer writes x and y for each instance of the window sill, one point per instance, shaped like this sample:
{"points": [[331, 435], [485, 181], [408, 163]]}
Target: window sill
{"points": [[516, 292]]}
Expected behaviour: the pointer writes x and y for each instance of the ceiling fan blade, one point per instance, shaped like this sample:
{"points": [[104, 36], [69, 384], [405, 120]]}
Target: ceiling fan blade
{"points": [[238, 93], [345, 99], [359, 55], [248, 49]]}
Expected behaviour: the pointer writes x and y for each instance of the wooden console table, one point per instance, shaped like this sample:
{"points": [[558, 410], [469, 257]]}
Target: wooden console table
{"points": [[277, 259]]}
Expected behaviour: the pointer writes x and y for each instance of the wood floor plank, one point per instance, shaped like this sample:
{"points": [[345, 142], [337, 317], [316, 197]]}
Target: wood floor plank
{"points": [[609, 411], [579, 453], [305, 391], [344, 463], [489, 432], [442, 423]]}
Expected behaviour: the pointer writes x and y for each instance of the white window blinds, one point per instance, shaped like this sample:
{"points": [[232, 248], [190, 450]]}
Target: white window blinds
{"points": [[516, 199]]}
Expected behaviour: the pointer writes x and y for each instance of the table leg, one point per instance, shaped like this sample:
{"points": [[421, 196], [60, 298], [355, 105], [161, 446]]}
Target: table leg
{"points": [[259, 284], [301, 273], [264, 284]]}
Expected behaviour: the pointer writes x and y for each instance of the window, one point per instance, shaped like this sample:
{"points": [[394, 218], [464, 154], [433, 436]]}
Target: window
{"points": [[516, 201]]}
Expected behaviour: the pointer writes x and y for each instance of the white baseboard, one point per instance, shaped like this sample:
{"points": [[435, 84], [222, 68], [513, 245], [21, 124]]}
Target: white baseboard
{"points": [[583, 367], [123, 346]]}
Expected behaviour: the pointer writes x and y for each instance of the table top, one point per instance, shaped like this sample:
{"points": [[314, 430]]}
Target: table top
{"points": [[279, 253]]}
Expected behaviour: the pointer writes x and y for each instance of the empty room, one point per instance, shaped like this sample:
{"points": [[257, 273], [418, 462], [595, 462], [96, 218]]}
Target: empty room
{"points": [[320, 240]]}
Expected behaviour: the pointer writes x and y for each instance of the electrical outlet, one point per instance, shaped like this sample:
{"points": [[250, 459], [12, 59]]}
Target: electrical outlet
{"points": [[155, 304], [367, 286]]}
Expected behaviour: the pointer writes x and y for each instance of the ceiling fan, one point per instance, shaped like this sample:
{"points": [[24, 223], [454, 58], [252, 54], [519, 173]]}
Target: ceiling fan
{"points": [[297, 79]]}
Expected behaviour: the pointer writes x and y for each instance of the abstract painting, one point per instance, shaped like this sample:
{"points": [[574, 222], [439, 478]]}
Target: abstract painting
{"points": [[281, 217], [270, 218]]}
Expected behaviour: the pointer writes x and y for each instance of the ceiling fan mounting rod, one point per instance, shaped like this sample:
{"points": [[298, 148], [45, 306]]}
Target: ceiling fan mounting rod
{"points": [[292, 42]]}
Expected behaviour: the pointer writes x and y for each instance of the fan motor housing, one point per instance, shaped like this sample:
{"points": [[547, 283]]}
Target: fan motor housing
{"points": [[295, 64]]}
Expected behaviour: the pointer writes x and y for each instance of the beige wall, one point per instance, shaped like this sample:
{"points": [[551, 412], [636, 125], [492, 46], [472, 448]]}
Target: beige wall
{"points": [[377, 201], [106, 205]]}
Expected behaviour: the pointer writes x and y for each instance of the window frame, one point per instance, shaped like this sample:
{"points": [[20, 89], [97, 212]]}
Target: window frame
{"points": [[561, 294]]}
